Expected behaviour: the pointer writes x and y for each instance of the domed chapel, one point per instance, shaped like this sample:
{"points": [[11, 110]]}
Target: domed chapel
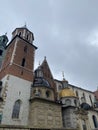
{"points": [[33, 99]]}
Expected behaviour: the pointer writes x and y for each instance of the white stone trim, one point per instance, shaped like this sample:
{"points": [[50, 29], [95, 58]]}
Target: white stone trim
{"points": [[13, 53], [23, 67], [24, 33]]}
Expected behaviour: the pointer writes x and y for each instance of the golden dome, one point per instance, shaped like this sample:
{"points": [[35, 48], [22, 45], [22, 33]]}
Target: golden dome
{"points": [[67, 92]]}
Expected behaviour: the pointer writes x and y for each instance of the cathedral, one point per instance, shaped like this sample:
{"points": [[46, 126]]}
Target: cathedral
{"points": [[33, 99]]}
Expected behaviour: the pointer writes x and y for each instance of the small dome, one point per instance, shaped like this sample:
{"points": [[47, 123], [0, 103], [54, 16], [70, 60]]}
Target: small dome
{"points": [[67, 92]]}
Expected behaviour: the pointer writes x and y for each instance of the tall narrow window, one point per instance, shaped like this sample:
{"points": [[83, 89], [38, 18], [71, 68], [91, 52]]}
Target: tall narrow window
{"points": [[0, 117], [23, 62], [77, 94], [19, 33], [83, 98], [90, 99], [27, 37], [1, 51], [95, 121], [16, 109], [84, 125], [25, 49]]}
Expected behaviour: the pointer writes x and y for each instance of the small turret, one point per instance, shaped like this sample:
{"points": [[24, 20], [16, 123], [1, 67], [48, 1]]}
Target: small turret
{"points": [[3, 43]]}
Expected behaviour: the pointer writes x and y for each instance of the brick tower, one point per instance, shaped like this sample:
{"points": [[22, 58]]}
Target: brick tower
{"points": [[19, 59], [17, 76]]}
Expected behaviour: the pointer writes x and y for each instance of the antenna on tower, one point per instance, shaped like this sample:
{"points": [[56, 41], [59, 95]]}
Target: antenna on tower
{"points": [[63, 75]]}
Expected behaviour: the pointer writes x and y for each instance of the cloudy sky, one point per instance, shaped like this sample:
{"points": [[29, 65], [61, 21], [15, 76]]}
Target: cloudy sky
{"points": [[66, 32]]}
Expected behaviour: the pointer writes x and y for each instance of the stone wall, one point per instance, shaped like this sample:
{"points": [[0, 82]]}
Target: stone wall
{"points": [[69, 118], [13, 127], [45, 114]]}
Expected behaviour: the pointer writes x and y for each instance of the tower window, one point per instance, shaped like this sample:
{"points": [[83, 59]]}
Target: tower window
{"points": [[27, 37], [23, 62], [19, 33], [1, 52], [16, 109], [25, 49]]}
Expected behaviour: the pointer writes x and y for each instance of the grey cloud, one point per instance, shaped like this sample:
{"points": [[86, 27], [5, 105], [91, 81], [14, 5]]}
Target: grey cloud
{"points": [[63, 31]]}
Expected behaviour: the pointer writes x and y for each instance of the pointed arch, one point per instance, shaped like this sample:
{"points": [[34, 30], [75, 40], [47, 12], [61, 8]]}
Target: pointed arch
{"points": [[16, 109]]}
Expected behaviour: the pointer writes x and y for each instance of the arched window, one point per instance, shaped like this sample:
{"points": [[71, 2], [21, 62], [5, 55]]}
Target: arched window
{"points": [[68, 102], [23, 62], [37, 92], [95, 121], [16, 109], [47, 94], [77, 94], [83, 98], [90, 99]]}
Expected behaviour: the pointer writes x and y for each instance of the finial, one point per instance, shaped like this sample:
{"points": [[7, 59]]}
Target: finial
{"points": [[25, 25], [39, 63], [45, 57], [63, 75]]}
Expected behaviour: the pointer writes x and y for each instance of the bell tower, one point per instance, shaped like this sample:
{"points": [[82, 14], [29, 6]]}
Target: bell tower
{"points": [[19, 59], [16, 75]]}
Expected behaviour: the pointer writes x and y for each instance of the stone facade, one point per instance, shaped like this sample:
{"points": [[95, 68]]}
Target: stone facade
{"points": [[13, 127], [43, 91], [45, 114], [69, 118], [17, 89]]}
